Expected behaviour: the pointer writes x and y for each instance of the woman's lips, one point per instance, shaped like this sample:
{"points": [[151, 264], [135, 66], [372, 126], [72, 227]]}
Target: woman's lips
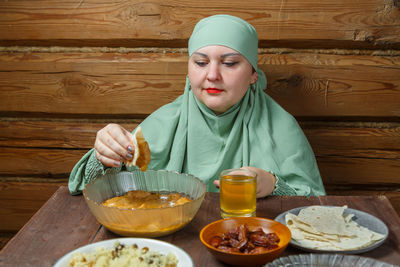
{"points": [[213, 90]]}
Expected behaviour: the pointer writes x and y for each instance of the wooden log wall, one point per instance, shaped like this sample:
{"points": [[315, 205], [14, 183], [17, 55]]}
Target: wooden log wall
{"points": [[67, 68]]}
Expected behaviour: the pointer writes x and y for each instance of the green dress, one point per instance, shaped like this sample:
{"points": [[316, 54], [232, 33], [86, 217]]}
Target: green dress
{"points": [[186, 136]]}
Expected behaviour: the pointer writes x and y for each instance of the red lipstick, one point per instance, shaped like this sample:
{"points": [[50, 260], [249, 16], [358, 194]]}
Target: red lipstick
{"points": [[213, 90]]}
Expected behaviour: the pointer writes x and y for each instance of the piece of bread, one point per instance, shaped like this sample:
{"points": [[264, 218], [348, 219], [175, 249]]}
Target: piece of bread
{"points": [[142, 156]]}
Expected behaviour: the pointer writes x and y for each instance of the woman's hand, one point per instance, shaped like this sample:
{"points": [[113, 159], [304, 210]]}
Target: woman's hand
{"points": [[113, 145], [265, 181]]}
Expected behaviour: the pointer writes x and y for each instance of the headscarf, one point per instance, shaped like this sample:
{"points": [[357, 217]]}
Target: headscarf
{"points": [[186, 136]]}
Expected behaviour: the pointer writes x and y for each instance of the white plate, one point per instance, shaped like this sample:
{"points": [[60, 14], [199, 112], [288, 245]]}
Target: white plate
{"points": [[184, 260], [360, 217], [325, 260]]}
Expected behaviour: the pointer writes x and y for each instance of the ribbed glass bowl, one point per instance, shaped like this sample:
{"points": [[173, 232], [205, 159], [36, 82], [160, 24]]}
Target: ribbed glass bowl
{"points": [[153, 222]]}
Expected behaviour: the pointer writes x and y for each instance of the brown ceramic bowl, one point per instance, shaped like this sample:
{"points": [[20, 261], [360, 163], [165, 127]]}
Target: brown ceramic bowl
{"points": [[217, 228]]}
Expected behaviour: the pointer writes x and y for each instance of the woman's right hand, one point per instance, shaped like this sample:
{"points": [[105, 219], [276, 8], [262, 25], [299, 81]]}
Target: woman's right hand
{"points": [[113, 145]]}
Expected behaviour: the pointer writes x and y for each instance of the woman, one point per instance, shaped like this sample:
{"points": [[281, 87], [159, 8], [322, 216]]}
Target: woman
{"points": [[223, 120]]}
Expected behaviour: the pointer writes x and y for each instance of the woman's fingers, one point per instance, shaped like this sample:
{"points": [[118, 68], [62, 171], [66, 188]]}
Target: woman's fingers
{"points": [[107, 161], [122, 137], [113, 145]]}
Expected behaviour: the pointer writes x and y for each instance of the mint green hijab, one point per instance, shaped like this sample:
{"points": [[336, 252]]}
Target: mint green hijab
{"points": [[186, 136]]}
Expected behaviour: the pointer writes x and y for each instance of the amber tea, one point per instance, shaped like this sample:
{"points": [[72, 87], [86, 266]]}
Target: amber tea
{"points": [[238, 189]]}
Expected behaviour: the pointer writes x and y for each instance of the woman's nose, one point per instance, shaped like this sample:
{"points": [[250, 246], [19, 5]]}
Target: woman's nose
{"points": [[213, 72]]}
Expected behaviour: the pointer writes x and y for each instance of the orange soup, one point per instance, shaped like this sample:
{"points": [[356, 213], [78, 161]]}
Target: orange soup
{"points": [[138, 199]]}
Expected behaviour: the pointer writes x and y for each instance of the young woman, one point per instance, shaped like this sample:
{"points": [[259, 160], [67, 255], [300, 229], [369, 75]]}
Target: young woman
{"points": [[223, 120]]}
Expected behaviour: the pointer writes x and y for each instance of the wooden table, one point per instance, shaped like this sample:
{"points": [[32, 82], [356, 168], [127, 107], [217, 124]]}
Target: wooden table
{"points": [[65, 223]]}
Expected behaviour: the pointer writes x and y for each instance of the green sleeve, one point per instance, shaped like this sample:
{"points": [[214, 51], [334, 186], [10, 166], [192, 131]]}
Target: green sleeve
{"points": [[284, 189], [87, 169]]}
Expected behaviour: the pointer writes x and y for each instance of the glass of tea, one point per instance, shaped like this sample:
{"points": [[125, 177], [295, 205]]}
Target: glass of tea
{"points": [[238, 189]]}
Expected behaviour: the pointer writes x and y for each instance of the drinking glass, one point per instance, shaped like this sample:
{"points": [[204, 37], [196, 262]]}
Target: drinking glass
{"points": [[238, 189]]}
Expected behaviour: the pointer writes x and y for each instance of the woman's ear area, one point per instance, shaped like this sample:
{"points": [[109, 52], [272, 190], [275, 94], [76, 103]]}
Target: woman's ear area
{"points": [[254, 77]]}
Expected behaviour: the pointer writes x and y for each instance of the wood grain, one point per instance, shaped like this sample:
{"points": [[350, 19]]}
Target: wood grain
{"points": [[20, 200], [351, 136], [339, 170], [370, 23], [102, 86], [334, 85], [57, 163], [50, 163], [342, 190], [109, 84], [68, 68], [80, 134], [363, 153], [65, 134], [5, 237], [63, 213]]}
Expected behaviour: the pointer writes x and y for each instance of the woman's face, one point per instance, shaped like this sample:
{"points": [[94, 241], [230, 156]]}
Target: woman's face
{"points": [[219, 76]]}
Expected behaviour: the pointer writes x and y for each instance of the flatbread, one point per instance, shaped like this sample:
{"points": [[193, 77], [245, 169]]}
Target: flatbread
{"points": [[327, 228], [325, 220], [141, 158]]}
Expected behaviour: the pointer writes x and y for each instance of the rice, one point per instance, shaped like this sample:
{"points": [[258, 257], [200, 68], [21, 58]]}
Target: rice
{"points": [[122, 255]]}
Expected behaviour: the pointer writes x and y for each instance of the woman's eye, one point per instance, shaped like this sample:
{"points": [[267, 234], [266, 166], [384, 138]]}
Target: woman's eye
{"points": [[200, 63], [230, 64]]}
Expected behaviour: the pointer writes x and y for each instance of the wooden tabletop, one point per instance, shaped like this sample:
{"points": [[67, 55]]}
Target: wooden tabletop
{"points": [[65, 223]]}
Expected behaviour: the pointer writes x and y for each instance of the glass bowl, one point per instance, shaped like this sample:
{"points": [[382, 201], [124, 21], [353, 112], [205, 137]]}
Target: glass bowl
{"points": [[150, 222]]}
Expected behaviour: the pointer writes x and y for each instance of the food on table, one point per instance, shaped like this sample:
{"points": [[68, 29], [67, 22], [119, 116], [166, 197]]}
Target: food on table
{"points": [[243, 240], [328, 228], [139, 199], [122, 255], [153, 223], [142, 156]]}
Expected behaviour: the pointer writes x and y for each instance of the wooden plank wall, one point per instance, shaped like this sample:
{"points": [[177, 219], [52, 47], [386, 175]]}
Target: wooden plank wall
{"points": [[67, 68]]}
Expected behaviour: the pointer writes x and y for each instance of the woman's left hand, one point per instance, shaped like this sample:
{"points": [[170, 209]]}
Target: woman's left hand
{"points": [[265, 181]]}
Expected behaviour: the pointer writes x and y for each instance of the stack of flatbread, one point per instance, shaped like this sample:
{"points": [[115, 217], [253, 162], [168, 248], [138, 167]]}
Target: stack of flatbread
{"points": [[328, 228], [142, 156]]}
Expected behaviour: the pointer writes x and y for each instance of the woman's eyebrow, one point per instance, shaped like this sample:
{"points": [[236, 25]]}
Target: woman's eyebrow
{"points": [[200, 54], [222, 56], [230, 54]]}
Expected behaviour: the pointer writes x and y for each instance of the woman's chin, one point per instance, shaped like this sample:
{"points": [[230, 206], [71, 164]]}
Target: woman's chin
{"points": [[216, 110], [216, 105]]}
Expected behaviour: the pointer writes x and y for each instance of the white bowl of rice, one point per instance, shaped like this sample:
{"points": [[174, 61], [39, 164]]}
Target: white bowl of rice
{"points": [[139, 252]]}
